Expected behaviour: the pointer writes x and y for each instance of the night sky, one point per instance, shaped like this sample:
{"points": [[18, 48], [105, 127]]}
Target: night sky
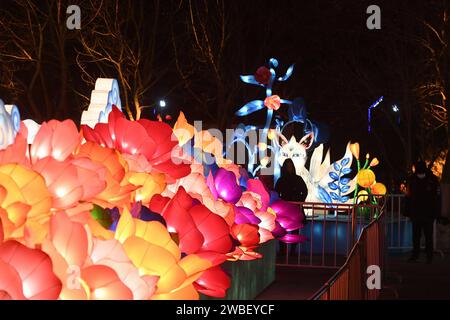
{"points": [[341, 67]]}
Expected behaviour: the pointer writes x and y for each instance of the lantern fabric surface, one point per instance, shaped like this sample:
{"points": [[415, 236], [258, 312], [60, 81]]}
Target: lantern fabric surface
{"points": [[152, 139], [26, 273], [365, 178]]}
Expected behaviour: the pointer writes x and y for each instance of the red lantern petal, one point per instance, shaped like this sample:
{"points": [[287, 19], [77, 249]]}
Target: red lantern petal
{"points": [[214, 282], [34, 268]]}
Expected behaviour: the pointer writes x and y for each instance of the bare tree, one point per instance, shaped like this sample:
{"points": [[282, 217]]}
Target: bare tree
{"points": [[36, 57], [123, 41], [434, 89], [206, 39]]}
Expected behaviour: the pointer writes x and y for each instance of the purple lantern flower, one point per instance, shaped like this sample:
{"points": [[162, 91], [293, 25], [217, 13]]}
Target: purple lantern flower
{"points": [[289, 215], [224, 186], [293, 238], [245, 215], [279, 231]]}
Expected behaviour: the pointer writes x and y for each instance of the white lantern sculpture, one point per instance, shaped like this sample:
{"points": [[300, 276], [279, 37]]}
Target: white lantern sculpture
{"points": [[9, 124], [103, 97]]}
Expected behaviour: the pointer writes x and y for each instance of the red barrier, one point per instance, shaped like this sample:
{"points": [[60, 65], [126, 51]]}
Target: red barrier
{"points": [[350, 282]]}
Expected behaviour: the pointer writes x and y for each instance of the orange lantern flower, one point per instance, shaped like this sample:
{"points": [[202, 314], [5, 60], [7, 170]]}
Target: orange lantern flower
{"points": [[374, 162], [183, 130], [102, 283], [378, 189], [71, 180], [24, 198], [354, 148], [365, 178], [273, 102], [118, 190]]}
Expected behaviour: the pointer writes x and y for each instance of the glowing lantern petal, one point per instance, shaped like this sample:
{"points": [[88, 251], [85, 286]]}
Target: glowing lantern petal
{"points": [[16, 152], [186, 293], [143, 254], [365, 178], [149, 185], [22, 183], [10, 283], [246, 234], [378, 189], [258, 187], [34, 268], [69, 238], [55, 139], [273, 102], [2, 235], [62, 181], [226, 186], [155, 233], [111, 253], [104, 284], [126, 226], [183, 130], [214, 229], [214, 282]]}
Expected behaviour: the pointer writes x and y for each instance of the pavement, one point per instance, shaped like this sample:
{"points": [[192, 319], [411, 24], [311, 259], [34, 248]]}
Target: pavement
{"points": [[296, 283], [403, 281], [417, 281]]}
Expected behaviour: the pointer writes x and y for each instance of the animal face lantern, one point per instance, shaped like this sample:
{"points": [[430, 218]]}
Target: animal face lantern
{"points": [[295, 150]]}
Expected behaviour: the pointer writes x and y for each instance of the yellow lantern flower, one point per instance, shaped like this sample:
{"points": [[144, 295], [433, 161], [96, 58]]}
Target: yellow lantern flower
{"points": [[149, 185], [363, 195], [354, 148], [23, 197], [151, 249], [271, 134], [374, 162], [365, 178]]}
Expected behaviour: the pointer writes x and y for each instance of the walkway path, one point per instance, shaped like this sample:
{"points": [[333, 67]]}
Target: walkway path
{"points": [[418, 280], [295, 283]]}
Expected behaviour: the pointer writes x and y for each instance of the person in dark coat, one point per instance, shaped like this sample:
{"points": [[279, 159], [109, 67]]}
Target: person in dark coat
{"points": [[423, 206], [290, 186]]}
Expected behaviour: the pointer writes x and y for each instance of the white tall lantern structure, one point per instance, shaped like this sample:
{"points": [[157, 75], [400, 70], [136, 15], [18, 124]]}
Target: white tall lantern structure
{"points": [[9, 124], [103, 97]]}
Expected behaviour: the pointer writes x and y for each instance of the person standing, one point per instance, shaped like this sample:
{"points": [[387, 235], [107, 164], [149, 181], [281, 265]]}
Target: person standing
{"points": [[423, 206], [290, 186]]}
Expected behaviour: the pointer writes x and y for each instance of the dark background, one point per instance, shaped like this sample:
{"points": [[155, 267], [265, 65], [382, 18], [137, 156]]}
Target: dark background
{"points": [[191, 54]]}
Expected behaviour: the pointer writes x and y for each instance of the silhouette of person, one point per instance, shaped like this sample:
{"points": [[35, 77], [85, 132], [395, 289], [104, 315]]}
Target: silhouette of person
{"points": [[291, 187], [423, 205]]}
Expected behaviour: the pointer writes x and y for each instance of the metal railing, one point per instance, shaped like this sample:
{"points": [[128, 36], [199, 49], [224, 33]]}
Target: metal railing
{"points": [[399, 226], [331, 231], [349, 283]]}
